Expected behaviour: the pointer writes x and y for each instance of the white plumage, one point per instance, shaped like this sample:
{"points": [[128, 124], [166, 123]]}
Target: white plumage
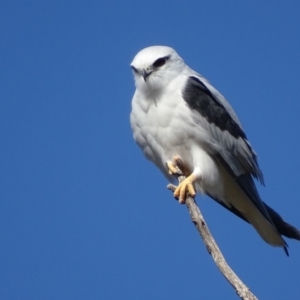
{"points": [[176, 112]]}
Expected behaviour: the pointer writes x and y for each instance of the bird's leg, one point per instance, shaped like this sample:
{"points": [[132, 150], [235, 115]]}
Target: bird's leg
{"points": [[176, 162], [186, 187], [171, 167]]}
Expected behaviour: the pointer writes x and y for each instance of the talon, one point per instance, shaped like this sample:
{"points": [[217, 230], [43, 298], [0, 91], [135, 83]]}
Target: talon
{"points": [[185, 188], [171, 167], [176, 162]]}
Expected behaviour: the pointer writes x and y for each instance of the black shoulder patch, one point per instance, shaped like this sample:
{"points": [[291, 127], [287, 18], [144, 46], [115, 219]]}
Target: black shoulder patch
{"points": [[199, 97]]}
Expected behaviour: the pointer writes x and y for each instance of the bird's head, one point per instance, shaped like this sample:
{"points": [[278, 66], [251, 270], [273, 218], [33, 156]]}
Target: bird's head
{"points": [[155, 67]]}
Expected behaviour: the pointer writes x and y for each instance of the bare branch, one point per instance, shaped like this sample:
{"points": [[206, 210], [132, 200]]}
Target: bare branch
{"points": [[197, 218]]}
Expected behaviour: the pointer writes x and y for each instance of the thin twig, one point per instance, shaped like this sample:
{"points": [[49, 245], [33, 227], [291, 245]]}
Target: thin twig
{"points": [[197, 218]]}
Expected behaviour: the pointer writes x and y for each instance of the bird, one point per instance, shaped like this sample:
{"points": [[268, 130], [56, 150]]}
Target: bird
{"points": [[179, 119]]}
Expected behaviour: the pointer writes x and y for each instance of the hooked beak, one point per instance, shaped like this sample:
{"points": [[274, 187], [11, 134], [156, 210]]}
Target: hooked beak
{"points": [[146, 73]]}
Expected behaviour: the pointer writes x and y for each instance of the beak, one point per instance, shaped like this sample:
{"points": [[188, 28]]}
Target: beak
{"points": [[146, 73]]}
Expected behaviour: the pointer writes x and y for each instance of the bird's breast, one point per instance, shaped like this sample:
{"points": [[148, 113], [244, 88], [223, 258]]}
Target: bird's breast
{"points": [[164, 127], [160, 128]]}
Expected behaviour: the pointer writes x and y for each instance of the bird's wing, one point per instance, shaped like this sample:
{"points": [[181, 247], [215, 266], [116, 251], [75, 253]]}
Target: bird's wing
{"points": [[219, 119], [229, 144]]}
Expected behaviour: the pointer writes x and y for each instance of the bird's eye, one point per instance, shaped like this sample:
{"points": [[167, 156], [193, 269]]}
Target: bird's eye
{"points": [[159, 62]]}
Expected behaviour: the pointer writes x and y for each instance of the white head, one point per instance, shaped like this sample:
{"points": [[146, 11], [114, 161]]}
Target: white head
{"points": [[156, 66]]}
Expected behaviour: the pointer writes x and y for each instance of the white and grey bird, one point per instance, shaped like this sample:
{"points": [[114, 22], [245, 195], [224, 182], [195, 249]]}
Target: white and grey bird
{"points": [[179, 117]]}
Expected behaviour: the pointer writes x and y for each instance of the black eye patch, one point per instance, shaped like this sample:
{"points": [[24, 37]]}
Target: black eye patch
{"points": [[160, 62]]}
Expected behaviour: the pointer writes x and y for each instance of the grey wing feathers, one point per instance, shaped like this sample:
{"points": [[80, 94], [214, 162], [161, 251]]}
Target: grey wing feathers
{"points": [[234, 152], [223, 126]]}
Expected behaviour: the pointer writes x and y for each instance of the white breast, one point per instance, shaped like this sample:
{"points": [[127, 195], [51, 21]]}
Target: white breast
{"points": [[164, 127]]}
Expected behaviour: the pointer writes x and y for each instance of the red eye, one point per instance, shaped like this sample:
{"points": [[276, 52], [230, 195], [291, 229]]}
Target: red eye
{"points": [[159, 62]]}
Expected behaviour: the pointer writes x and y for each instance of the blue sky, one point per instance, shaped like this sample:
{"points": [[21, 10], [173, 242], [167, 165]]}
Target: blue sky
{"points": [[82, 214]]}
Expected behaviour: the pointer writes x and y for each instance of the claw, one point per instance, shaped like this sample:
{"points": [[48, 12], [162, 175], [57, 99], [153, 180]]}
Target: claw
{"points": [[185, 188], [171, 167], [176, 162]]}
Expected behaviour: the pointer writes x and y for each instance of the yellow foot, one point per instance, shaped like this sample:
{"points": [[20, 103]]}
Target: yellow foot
{"points": [[176, 162], [171, 167], [185, 188]]}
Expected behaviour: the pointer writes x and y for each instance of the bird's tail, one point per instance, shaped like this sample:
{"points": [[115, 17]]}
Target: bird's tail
{"points": [[272, 233], [283, 227]]}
